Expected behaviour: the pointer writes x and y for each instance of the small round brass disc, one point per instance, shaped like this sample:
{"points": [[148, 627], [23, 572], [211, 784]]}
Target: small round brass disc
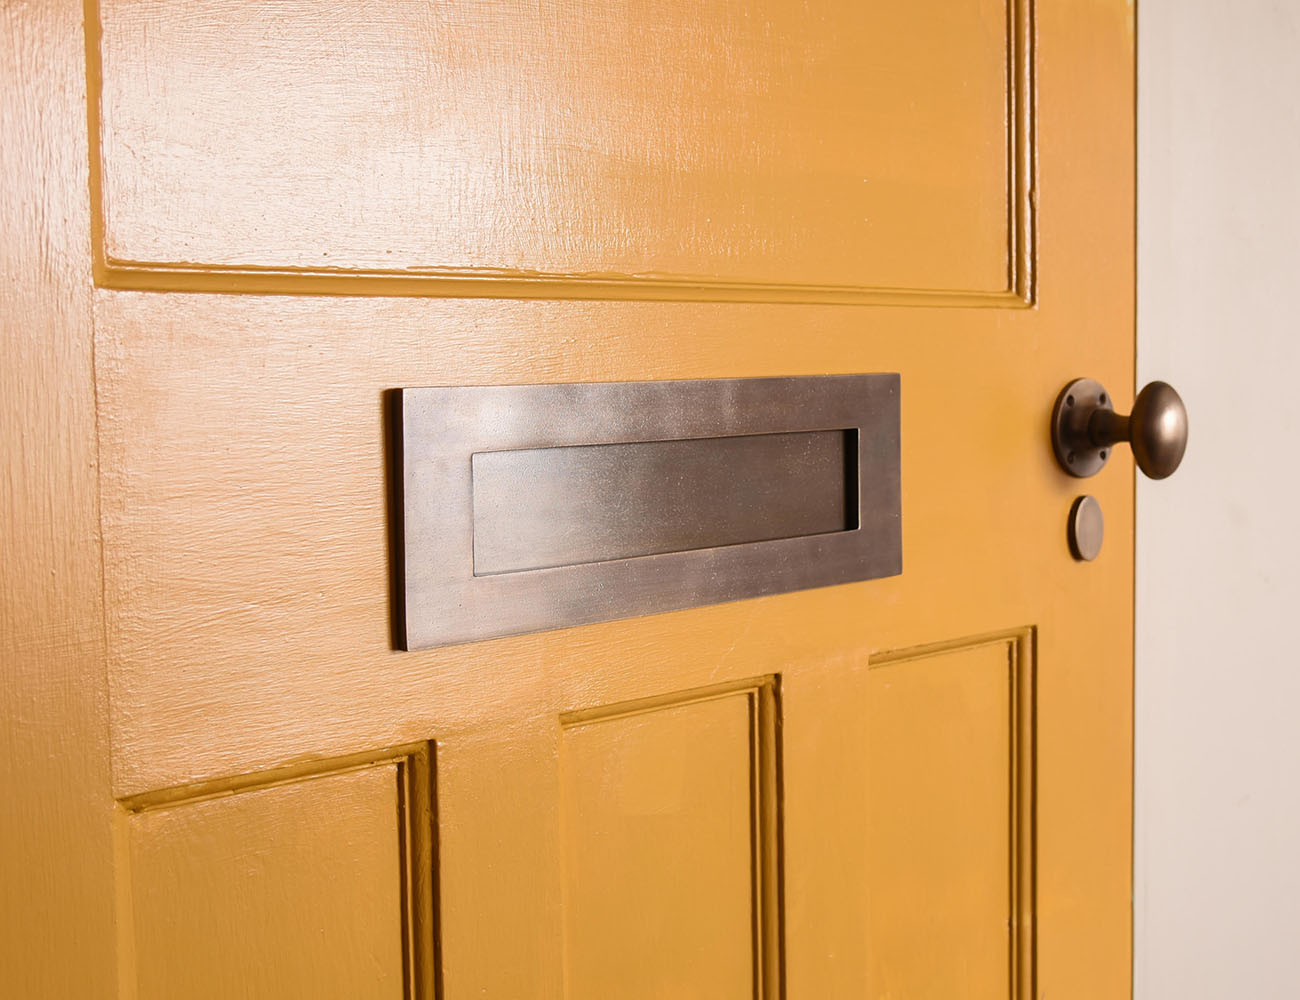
{"points": [[1087, 528]]}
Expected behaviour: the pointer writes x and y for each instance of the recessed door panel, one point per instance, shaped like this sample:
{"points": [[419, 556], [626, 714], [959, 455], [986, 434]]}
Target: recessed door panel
{"points": [[288, 884], [950, 799], [669, 825], [455, 141]]}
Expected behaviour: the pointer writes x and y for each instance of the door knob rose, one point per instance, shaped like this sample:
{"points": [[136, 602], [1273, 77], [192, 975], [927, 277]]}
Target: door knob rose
{"points": [[1085, 428]]}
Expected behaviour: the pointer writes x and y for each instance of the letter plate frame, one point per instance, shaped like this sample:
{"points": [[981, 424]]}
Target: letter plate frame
{"points": [[438, 430]]}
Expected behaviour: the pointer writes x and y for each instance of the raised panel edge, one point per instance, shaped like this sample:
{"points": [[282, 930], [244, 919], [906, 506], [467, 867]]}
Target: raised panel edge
{"points": [[173, 276], [1022, 663], [415, 824], [763, 695]]}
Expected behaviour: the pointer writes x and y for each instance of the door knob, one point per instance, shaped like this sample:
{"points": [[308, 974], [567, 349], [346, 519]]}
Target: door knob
{"points": [[1085, 428]]}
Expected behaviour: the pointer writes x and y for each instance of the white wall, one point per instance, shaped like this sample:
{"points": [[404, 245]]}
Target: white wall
{"points": [[1218, 571]]}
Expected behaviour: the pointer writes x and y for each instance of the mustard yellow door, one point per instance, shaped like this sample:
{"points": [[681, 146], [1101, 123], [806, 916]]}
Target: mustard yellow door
{"points": [[234, 227]]}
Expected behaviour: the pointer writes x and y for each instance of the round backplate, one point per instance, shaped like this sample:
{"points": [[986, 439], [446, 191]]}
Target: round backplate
{"points": [[1074, 408]]}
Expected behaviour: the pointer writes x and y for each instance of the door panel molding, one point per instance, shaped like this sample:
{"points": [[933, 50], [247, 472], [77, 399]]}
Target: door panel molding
{"points": [[180, 270], [633, 763], [1020, 685], [177, 823]]}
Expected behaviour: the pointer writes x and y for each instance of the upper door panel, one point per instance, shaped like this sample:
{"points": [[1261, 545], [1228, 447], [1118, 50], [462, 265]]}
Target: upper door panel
{"points": [[716, 149]]}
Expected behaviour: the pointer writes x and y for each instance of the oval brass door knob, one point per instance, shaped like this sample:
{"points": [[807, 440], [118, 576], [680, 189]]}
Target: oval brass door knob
{"points": [[1085, 428]]}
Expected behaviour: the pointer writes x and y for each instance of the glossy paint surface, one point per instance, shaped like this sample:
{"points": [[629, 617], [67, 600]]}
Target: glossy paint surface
{"points": [[216, 871], [674, 192], [688, 145]]}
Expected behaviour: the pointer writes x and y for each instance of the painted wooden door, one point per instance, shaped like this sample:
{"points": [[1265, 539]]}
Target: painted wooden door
{"points": [[236, 225]]}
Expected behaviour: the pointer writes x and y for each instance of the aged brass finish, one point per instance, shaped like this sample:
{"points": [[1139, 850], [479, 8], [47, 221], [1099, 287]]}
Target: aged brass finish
{"points": [[598, 502], [525, 508], [1086, 529], [1085, 428], [1071, 418], [1157, 430]]}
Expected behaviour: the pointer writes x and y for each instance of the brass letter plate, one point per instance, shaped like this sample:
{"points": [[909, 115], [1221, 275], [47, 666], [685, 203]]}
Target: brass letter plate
{"points": [[537, 507]]}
